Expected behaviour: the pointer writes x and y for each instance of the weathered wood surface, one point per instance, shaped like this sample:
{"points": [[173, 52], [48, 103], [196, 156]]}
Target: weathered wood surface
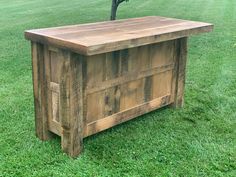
{"points": [[103, 37], [180, 73], [58, 85], [77, 96], [124, 84], [109, 83], [88, 78], [71, 103], [39, 71]]}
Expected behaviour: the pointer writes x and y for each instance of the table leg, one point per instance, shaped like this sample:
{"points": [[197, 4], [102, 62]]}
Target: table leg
{"points": [[40, 91], [71, 104], [181, 72]]}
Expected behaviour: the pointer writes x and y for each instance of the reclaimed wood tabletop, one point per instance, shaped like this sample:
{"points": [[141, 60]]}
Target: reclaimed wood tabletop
{"points": [[102, 37]]}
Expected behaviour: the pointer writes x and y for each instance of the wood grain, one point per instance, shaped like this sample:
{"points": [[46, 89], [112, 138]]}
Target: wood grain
{"points": [[40, 91], [71, 103], [91, 39], [119, 80], [122, 116], [181, 60], [91, 77]]}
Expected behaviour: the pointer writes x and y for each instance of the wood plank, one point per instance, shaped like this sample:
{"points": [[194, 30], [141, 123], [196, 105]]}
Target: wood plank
{"points": [[131, 94], [113, 69], [112, 101], [126, 115], [54, 99], [55, 106], [133, 60], [119, 33], [174, 71], [40, 92], [52, 95], [76, 103], [127, 78], [144, 59], [55, 127], [95, 39], [95, 74], [181, 67], [95, 108], [162, 84], [95, 25], [162, 53], [124, 33], [71, 104], [131, 41], [148, 82], [55, 63], [83, 60], [124, 62], [104, 102], [130, 25], [55, 87], [95, 69]]}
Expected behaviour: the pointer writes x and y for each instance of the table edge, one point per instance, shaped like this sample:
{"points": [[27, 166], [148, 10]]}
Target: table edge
{"points": [[123, 44]]}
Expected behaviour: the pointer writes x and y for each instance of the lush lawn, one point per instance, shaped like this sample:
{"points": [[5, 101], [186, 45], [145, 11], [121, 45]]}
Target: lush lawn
{"points": [[198, 140]]}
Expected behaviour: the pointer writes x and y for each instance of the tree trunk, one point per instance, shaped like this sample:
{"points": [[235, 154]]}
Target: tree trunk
{"points": [[114, 7]]}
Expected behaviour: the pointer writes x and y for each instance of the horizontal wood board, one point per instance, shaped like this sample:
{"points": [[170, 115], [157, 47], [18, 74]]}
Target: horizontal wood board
{"points": [[103, 37]]}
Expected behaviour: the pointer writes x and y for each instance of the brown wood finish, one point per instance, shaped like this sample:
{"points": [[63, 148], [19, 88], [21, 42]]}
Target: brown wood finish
{"points": [[88, 78], [122, 116], [71, 104], [96, 38], [40, 91], [181, 61]]}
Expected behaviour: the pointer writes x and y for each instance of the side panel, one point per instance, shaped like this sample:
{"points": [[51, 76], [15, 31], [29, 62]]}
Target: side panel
{"points": [[64, 97], [124, 84], [117, 86]]}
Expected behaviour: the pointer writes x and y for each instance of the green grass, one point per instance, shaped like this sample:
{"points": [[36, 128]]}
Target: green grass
{"points": [[198, 140]]}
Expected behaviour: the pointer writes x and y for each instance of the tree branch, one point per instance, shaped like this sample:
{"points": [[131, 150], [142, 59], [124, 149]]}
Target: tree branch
{"points": [[114, 7], [120, 1]]}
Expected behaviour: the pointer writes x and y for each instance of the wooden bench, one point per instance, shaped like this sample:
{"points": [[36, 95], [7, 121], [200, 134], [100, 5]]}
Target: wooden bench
{"points": [[91, 77]]}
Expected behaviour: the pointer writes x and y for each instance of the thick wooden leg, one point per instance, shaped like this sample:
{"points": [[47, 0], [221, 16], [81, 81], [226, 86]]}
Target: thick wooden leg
{"points": [[180, 72], [40, 92], [71, 104]]}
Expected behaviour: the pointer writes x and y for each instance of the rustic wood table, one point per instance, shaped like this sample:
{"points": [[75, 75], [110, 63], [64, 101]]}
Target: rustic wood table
{"points": [[90, 77]]}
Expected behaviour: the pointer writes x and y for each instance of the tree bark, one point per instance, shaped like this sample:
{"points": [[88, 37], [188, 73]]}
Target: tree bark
{"points": [[114, 7]]}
